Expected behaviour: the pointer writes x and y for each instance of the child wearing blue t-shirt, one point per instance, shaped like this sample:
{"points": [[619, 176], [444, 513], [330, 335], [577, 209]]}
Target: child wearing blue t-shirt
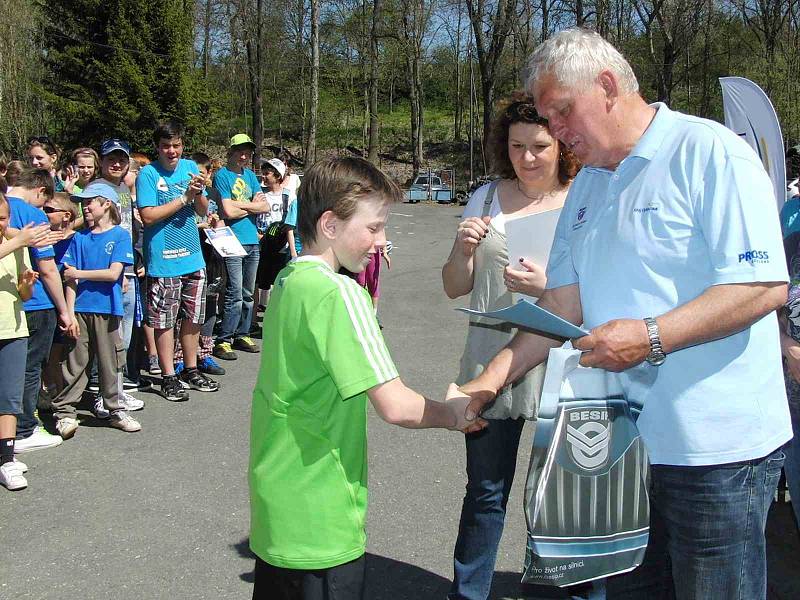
{"points": [[93, 271]]}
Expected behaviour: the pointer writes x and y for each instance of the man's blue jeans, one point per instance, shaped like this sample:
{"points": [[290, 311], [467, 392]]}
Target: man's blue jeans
{"points": [[491, 462], [706, 533], [239, 294]]}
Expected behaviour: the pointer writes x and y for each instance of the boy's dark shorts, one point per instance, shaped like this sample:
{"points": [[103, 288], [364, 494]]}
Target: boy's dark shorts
{"points": [[342, 582]]}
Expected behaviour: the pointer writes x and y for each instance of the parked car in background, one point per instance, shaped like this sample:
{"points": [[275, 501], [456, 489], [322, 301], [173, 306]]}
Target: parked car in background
{"points": [[429, 186]]}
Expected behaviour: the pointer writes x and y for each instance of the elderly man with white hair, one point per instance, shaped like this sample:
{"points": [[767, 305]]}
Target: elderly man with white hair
{"points": [[669, 250]]}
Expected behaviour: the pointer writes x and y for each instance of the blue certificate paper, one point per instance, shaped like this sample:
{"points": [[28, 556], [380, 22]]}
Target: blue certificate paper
{"points": [[528, 315]]}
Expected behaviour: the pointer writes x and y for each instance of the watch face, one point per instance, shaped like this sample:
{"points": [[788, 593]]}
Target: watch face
{"points": [[656, 358]]}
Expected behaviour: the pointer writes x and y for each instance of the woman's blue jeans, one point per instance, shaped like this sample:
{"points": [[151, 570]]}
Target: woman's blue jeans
{"points": [[792, 464], [706, 533], [491, 462]]}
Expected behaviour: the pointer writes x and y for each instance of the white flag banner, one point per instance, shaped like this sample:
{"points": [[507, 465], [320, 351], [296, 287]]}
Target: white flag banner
{"points": [[750, 114]]}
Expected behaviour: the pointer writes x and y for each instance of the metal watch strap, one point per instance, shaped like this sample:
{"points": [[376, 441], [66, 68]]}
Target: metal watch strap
{"points": [[657, 354]]}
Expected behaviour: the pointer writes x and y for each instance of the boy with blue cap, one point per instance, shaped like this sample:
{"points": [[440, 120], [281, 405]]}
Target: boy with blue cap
{"points": [[93, 272]]}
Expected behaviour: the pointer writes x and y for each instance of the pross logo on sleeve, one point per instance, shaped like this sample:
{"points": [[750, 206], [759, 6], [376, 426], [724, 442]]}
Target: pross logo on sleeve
{"points": [[754, 257]]}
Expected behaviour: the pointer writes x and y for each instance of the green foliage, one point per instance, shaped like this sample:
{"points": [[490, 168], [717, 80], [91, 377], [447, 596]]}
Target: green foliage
{"points": [[116, 68]]}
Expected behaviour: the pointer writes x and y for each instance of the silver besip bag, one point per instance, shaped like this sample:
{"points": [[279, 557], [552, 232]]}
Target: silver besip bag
{"points": [[586, 500]]}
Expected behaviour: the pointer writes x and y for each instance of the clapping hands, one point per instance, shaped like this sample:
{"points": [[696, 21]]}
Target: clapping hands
{"points": [[35, 235]]}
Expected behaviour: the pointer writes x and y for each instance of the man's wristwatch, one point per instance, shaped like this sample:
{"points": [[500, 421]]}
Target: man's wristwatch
{"points": [[657, 355]]}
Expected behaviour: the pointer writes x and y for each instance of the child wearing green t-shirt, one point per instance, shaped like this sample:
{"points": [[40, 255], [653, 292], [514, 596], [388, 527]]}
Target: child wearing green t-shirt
{"points": [[323, 356]]}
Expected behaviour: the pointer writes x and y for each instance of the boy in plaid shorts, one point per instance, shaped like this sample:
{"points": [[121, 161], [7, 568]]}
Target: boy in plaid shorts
{"points": [[169, 193]]}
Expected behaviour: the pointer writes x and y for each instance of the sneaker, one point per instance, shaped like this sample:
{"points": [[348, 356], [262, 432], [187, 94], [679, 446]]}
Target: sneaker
{"points": [[179, 368], [23, 468], [223, 350], [129, 385], [45, 400], [38, 440], [194, 379], [94, 384], [172, 389], [122, 420], [152, 365], [99, 409], [209, 366], [11, 476], [128, 402], [66, 427], [144, 384], [245, 344]]}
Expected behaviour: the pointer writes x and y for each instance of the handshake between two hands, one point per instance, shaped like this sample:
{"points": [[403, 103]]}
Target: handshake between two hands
{"points": [[457, 401]]}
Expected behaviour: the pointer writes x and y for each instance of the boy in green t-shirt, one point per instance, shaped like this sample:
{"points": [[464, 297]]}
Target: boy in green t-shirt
{"points": [[323, 356]]}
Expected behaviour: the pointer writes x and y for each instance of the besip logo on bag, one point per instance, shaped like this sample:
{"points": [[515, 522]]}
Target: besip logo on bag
{"points": [[588, 436]]}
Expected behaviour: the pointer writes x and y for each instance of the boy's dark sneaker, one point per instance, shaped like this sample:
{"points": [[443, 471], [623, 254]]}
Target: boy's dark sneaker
{"points": [[172, 389], [223, 350], [94, 384], [194, 379], [129, 385], [209, 366], [245, 344]]}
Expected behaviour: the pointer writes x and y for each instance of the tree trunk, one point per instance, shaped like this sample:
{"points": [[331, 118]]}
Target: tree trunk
{"points": [[459, 116], [489, 55], [416, 154], [374, 123], [206, 38], [255, 70], [311, 143], [414, 25]]}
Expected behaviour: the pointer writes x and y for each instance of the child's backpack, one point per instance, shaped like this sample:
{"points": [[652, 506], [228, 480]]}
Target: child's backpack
{"points": [[586, 499]]}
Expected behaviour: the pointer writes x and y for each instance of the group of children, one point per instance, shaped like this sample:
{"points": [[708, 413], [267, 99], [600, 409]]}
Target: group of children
{"points": [[103, 260]]}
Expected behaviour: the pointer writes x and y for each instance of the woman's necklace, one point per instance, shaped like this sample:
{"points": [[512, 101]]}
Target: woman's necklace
{"points": [[537, 197]]}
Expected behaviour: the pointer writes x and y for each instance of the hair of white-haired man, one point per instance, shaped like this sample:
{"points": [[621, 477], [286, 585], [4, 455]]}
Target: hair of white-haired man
{"points": [[575, 57]]}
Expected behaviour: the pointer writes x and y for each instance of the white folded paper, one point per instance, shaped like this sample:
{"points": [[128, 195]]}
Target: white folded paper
{"points": [[224, 242]]}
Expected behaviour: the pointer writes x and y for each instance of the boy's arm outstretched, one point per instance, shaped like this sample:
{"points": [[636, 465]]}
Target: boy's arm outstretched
{"points": [[400, 405]]}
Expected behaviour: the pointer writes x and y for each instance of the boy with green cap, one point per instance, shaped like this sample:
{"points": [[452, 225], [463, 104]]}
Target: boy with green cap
{"points": [[242, 202]]}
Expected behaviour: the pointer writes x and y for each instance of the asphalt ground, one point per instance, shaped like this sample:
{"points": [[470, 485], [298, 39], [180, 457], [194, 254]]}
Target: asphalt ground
{"points": [[163, 513]]}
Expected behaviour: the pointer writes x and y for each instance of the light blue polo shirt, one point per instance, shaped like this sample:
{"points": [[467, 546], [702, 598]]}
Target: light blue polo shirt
{"points": [[690, 207]]}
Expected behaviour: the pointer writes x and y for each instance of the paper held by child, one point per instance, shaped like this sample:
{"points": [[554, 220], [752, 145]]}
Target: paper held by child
{"points": [[526, 314], [224, 242]]}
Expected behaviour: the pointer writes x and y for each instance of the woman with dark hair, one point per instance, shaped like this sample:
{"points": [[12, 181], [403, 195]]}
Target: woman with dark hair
{"points": [[42, 153], [535, 173]]}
